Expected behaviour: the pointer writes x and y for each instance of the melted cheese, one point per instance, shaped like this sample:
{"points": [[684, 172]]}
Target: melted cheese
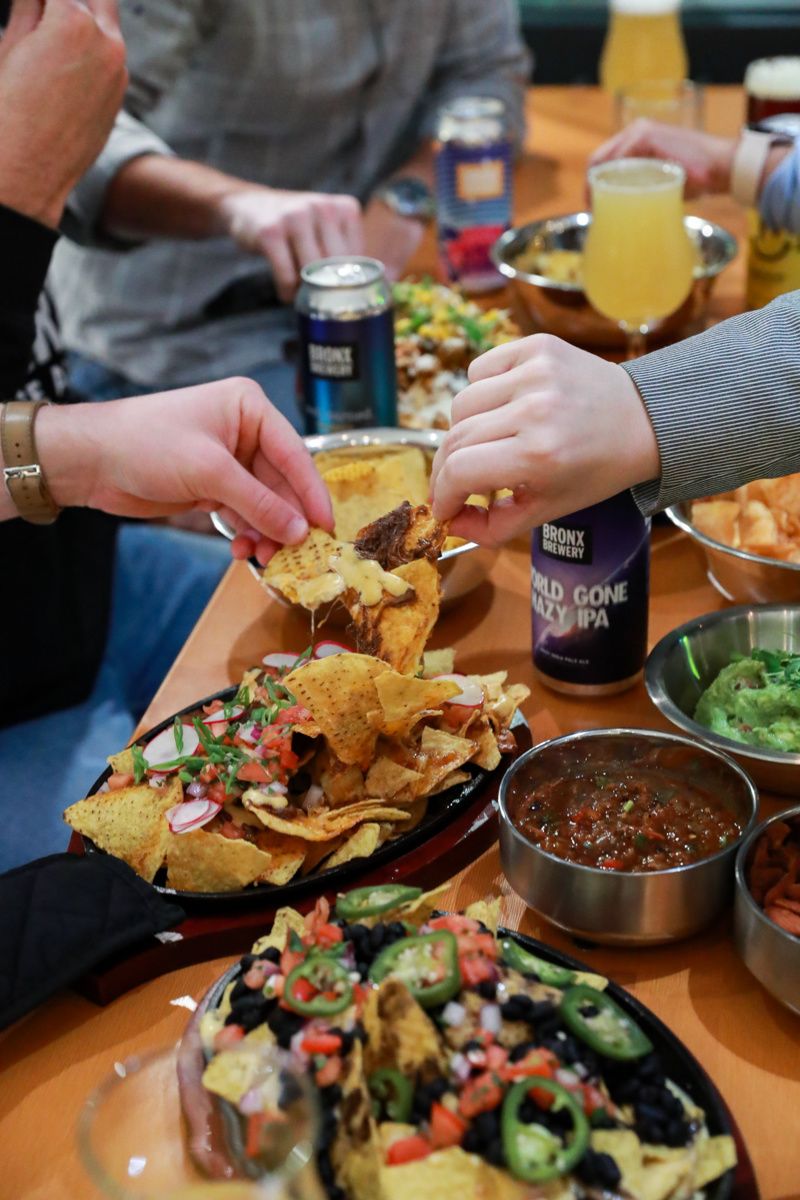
{"points": [[366, 577]]}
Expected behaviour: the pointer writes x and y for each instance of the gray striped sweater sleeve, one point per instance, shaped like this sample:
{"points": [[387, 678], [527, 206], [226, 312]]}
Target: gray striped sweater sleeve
{"points": [[724, 405]]}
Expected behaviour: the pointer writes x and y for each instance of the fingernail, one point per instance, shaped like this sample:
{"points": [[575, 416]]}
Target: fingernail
{"points": [[296, 530]]}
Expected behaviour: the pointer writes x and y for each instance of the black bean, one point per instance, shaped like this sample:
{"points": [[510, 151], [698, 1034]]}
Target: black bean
{"points": [[599, 1169], [472, 1044], [396, 929], [471, 1141], [271, 954], [284, 1025], [291, 1091], [601, 1120], [494, 1153], [487, 1126], [518, 1052], [377, 936], [648, 1112], [677, 1133], [487, 989], [240, 989], [650, 1067], [246, 962], [589, 1011]]}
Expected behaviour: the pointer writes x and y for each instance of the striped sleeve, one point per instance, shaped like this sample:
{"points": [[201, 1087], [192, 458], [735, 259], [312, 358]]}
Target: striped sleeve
{"points": [[724, 405]]}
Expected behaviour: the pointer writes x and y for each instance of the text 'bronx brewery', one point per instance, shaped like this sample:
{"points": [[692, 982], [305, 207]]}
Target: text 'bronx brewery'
{"points": [[589, 593]]}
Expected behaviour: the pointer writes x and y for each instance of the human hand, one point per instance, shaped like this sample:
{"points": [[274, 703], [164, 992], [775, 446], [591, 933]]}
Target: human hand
{"points": [[291, 229], [220, 446], [706, 160], [391, 237], [62, 79], [560, 427]]}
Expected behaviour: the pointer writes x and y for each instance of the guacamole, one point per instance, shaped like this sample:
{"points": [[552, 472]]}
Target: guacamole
{"points": [[755, 700]]}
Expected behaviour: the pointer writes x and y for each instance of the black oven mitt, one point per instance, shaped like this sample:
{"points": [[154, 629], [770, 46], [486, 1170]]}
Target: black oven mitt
{"points": [[62, 915]]}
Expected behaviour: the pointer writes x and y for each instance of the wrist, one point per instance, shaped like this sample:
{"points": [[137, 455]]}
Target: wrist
{"points": [[644, 459], [722, 157], [31, 200], [67, 451]]}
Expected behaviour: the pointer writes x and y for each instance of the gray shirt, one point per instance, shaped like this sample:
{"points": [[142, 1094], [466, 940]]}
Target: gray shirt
{"points": [[724, 405], [318, 95]]}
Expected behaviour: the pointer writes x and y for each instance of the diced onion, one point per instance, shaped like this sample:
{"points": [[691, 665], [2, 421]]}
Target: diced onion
{"points": [[491, 1018], [566, 1078], [313, 798], [454, 1014], [460, 1068]]}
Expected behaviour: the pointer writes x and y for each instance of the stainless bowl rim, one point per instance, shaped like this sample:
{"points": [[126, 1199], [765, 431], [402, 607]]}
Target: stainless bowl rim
{"points": [[654, 682], [676, 516], [622, 731], [498, 249], [741, 881], [374, 436]]}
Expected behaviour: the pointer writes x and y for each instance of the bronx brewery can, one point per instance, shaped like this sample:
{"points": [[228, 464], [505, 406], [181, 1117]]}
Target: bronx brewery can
{"points": [[473, 189], [344, 312], [589, 593]]}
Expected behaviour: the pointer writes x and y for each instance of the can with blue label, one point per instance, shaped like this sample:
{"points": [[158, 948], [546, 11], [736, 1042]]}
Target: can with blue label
{"points": [[346, 324], [473, 189], [589, 595]]}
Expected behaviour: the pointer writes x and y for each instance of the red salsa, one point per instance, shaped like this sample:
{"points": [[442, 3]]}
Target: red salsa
{"points": [[627, 804]]}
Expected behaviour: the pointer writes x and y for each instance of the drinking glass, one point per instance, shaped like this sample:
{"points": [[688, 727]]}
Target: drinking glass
{"points": [[644, 42], [638, 260], [671, 103], [134, 1141]]}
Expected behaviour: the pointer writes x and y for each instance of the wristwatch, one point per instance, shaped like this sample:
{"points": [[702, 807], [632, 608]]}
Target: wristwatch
{"points": [[22, 471], [750, 157], [408, 196]]}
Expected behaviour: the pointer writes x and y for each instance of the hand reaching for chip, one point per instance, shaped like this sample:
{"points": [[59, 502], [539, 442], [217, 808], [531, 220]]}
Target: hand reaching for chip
{"points": [[218, 446]]}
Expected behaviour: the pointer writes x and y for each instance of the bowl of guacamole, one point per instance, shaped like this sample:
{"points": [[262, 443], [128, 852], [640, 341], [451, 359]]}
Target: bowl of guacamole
{"points": [[732, 678]]}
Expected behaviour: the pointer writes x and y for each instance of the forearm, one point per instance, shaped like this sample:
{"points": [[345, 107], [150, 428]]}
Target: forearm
{"points": [[724, 405]]}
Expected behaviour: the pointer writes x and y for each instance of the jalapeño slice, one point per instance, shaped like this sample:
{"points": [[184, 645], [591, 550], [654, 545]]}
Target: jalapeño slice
{"points": [[319, 987], [371, 901], [600, 1022], [523, 961], [393, 1091], [426, 964], [533, 1153]]}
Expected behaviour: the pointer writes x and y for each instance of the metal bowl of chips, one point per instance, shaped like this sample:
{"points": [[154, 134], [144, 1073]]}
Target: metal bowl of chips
{"points": [[556, 299], [740, 575], [685, 662], [462, 568], [617, 907], [770, 952]]}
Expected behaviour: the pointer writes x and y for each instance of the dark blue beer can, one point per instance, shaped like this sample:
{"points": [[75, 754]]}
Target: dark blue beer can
{"points": [[345, 316]]}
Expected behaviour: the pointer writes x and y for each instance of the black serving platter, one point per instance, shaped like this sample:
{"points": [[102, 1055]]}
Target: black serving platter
{"points": [[679, 1064], [441, 810]]}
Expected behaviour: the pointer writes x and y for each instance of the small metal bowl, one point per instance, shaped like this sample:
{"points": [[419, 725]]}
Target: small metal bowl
{"points": [[462, 569], [739, 575], [685, 662], [563, 308], [623, 908], [772, 954]]}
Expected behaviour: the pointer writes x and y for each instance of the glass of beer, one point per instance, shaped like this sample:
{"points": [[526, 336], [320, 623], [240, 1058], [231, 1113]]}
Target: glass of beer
{"points": [[638, 260], [772, 86], [644, 43], [678, 104]]}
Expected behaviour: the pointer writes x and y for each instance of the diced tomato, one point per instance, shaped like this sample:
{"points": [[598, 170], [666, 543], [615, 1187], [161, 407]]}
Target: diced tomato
{"points": [[209, 773], [120, 779], [611, 864], [255, 1124], [228, 1036], [327, 936], [253, 772], [213, 707], [456, 923], [476, 970], [232, 831], [294, 715], [496, 1057], [447, 1128], [456, 715], [303, 990], [216, 792], [540, 1062], [593, 1099], [408, 1149], [477, 943], [289, 960], [287, 758], [481, 1094], [318, 917], [321, 1043], [330, 1073], [542, 1097]]}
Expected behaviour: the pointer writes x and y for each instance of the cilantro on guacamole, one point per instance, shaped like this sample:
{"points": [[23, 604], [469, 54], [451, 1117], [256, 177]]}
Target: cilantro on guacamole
{"points": [[755, 700]]}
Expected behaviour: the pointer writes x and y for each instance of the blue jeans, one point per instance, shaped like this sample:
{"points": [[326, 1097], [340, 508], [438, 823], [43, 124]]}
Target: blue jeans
{"points": [[162, 580], [97, 382]]}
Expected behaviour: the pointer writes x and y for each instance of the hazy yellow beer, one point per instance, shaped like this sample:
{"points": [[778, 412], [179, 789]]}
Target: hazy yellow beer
{"points": [[638, 259], [644, 44]]}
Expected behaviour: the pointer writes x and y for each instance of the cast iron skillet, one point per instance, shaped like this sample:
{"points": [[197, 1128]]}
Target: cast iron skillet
{"points": [[208, 1118], [442, 808]]}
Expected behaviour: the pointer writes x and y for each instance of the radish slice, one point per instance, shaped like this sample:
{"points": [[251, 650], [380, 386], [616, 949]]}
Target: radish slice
{"points": [[218, 716], [326, 649], [471, 694], [156, 778], [163, 748], [191, 815], [280, 662]]}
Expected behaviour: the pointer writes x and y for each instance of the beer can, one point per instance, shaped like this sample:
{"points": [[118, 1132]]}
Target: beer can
{"points": [[589, 598], [473, 189], [346, 325]]}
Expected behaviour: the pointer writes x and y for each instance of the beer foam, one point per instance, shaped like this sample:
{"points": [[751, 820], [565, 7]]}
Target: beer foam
{"points": [[774, 78], [644, 8]]}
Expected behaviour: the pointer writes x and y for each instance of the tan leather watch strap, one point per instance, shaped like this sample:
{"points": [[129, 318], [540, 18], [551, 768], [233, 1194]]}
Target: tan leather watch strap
{"points": [[22, 472]]}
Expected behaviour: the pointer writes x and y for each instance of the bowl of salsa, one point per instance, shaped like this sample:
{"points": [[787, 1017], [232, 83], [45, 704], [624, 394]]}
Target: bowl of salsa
{"points": [[625, 836]]}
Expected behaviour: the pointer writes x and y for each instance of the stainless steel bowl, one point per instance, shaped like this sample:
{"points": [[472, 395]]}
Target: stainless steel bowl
{"points": [[462, 569], [772, 954], [683, 664], [625, 908], [739, 575], [563, 308]]}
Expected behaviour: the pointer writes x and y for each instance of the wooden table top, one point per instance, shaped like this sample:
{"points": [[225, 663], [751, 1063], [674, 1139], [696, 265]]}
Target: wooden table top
{"points": [[749, 1044]]}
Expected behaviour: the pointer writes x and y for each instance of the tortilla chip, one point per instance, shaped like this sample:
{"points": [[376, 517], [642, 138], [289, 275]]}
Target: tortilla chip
{"points": [[486, 911], [440, 754], [367, 488], [717, 519], [404, 700], [129, 823], [488, 754], [341, 782], [200, 861], [455, 1173], [397, 633], [285, 920], [286, 857], [438, 662], [340, 693], [328, 823], [715, 1156], [303, 573], [122, 763], [360, 844], [355, 1150], [454, 779], [388, 779], [416, 811], [232, 1073], [757, 526], [316, 852], [400, 1034]]}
